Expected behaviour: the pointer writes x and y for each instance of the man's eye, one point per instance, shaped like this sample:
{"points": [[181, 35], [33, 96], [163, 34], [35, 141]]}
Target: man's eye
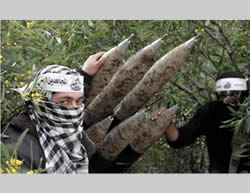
{"points": [[65, 102], [80, 102]]}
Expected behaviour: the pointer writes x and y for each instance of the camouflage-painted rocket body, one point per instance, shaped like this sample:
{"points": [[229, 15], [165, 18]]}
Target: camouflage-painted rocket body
{"points": [[120, 136], [141, 142], [89, 145], [98, 131], [132, 131], [121, 83], [149, 135], [104, 75], [154, 79]]}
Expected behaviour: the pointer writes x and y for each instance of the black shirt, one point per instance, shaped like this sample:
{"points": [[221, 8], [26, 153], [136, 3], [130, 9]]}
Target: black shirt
{"points": [[208, 121]]}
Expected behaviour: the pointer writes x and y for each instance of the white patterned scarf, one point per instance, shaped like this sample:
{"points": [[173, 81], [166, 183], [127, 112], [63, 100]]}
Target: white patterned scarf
{"points": [[60, 130]]}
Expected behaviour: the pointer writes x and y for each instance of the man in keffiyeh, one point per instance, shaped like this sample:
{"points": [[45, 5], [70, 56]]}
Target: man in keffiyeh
{"points": [[55, 140]]}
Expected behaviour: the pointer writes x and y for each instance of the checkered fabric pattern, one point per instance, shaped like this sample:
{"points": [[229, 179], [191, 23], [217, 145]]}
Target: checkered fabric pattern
{"points": [[60, 130]]}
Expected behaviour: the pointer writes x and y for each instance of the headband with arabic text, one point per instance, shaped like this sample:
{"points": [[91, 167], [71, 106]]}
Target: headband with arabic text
{"points": [[61, 83], [234, 84]]}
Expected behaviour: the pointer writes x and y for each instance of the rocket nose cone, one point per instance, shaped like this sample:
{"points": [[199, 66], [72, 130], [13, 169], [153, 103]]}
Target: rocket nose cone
{"points": [[191, 42], [172, 110], [123, 46]]}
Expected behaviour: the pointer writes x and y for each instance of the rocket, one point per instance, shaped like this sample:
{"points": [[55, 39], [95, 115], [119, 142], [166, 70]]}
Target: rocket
{"points": [[134, 131], [89, 145], [104, 75], [140, 144], [121, 83], [160, 73], [98, 131], [148, 135]]}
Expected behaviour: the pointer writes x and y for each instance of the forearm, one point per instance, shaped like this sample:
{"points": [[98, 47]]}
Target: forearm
{"points": [[183, 136], [194, 128], [90, 68], [87, 81]]}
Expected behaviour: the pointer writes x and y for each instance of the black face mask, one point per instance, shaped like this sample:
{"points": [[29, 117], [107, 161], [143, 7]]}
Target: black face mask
{"points": [[229, 96], [228, 93]]}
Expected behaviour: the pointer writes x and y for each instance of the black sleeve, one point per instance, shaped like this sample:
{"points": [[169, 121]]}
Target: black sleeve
{"points": [[87, 81], [192, 130]]}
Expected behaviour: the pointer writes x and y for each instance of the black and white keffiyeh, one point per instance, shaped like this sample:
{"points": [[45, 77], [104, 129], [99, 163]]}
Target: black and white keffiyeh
{"points": [[60, 130]]}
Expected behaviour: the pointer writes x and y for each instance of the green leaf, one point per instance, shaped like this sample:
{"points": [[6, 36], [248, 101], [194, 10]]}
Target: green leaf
{"points": [[5, 151], [247, 126], [11, 69], [2, 94], [20, 140], [36, 50]]}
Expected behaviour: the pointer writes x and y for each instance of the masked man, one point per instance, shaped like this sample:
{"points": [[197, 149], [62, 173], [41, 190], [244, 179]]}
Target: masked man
{"points": [[55, 137], [231, 88]]}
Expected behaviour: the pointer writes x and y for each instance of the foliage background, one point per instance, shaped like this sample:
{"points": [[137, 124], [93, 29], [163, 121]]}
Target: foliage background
{"points": [[26, 46]]}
